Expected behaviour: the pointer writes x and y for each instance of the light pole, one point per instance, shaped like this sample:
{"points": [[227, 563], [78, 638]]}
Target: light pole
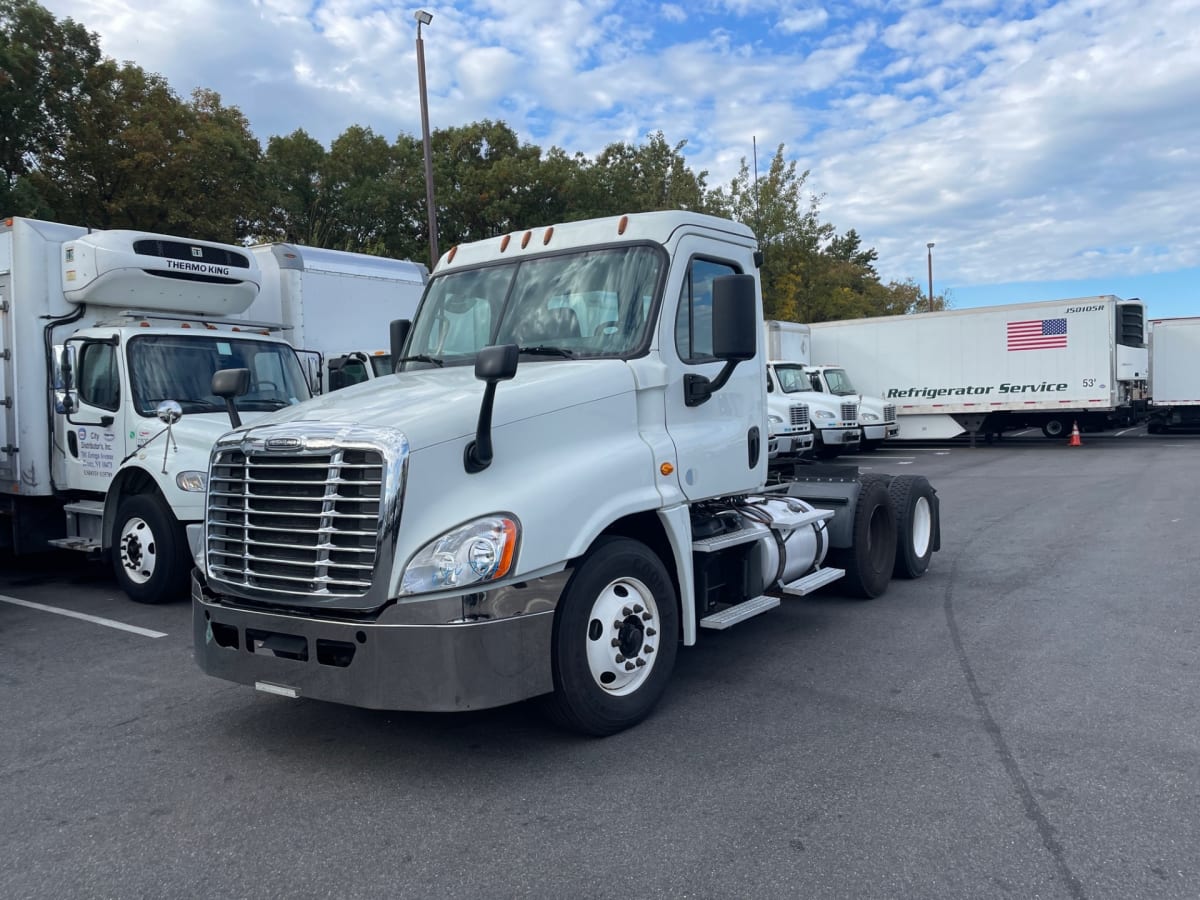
{"points": [[424, 18], [929, 250]]}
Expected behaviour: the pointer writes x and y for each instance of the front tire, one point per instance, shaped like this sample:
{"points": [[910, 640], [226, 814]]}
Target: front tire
{"points": [[149, 551], [616, 635], [1055, 428]]}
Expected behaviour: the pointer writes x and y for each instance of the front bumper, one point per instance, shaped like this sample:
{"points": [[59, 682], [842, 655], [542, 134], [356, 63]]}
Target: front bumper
{"points": [[381, 664], [840, 437], [880, 432]]}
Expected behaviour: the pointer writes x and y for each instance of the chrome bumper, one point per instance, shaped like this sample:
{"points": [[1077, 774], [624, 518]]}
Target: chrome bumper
{"points": [[379, 664], [840, 437]]}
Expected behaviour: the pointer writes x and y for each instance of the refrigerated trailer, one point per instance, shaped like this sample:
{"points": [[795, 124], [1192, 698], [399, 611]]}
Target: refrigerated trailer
{"points": [[1174, 374], [1049, 364]]}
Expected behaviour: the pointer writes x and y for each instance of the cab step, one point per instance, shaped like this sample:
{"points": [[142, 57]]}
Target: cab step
{"points": [[802, 587], [739, 612]]}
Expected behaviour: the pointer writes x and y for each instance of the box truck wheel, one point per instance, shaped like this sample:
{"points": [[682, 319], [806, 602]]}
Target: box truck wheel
{"points": [[917, 526], [149, 550], [869, 560], [616, 633], [1055, 428]]}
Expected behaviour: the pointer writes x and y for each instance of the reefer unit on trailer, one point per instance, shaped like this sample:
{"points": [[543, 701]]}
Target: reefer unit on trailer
{"points": [[992, 369], [1174, 374], [108, 343], [336, 307]]}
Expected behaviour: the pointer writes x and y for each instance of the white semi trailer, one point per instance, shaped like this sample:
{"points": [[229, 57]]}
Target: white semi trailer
{"points": [[336, 307], [108, 342], [992, 369], [1174, 388], [566, 480]]}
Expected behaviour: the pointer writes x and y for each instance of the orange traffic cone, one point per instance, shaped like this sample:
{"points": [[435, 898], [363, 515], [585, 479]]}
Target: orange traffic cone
{"points": [[1075, 441]]}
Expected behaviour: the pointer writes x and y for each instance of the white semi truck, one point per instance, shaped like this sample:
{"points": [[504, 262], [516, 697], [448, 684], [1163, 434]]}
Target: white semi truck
{"points": [[1174, 387], [336, 307], [108, 343], [791, 366], [1049, 364], [566, 480]]}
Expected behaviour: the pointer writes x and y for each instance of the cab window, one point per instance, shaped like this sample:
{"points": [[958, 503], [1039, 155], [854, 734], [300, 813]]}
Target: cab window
{"points": [[693, 316], [99, 381]]}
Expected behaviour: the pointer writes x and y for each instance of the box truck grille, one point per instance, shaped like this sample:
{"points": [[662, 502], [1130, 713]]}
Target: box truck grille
{"points": [[889, 413], [849, 412], [295, 524], [799, 415]]}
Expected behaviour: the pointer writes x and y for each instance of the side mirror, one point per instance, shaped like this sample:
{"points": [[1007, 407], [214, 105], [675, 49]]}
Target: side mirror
{"points": [[230, 383], [492, 365], [735, 315], [169, 412], [735, 333], [398, 334], [66, 397]]}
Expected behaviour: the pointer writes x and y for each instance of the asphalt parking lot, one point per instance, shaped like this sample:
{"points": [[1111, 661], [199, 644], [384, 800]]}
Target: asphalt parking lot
{"points": [[1023, 722]]}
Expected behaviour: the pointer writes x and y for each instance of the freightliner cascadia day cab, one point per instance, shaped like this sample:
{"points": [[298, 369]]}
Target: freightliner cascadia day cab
{"points": [[992, 369], [109, 341], [566, 480], [336, 307], [1174, 375], [791, 371]]}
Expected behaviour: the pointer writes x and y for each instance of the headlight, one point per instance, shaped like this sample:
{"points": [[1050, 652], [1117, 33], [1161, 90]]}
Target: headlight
{"points": [[823, 414], [474, 553], [868, 417], [774, 419], [196, 482]]}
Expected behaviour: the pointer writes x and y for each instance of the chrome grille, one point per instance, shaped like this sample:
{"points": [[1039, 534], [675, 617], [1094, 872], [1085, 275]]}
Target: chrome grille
{"points": [[303, 523], [889, 412], [799, 414], [849, 412]]}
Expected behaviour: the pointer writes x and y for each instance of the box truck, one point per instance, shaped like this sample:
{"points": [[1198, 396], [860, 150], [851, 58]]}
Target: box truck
{"points": [[789, 345], [1049, 364], [565, 481], [336, 307], [1174, 387], [834, 419], [108, 342]]}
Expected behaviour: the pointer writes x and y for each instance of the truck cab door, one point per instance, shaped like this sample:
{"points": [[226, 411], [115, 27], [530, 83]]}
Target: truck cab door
{"points": [[720, 444], [92, 438]]}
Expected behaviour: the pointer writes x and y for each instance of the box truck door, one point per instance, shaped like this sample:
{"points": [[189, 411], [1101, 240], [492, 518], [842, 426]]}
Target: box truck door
{"points": [[92, 436]]}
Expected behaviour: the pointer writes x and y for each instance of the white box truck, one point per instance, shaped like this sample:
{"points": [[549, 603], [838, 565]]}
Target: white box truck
{"points": [[789, 345], [992, 369], [336, 307], [1174, 375], [566, 480], [835, 420], [108, 343]]}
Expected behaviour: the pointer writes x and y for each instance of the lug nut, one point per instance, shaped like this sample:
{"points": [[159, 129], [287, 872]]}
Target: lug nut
{"points": [[629, 667], [626, 611], [646, 617], [616, 643], [637, 608], [650, 632], [620, 658], [641, 662], [647, 649]]}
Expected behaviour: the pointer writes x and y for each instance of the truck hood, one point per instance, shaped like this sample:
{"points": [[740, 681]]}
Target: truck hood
{"points": [[432, 406], [193, 436]]}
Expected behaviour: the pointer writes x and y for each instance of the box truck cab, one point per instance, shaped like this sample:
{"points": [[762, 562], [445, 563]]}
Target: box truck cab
{"points": [[110, 341], [565, 481], [835, 420], [876, 418]]}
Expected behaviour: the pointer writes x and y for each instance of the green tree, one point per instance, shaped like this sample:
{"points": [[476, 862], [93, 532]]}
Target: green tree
{"points": [[44, 65], [293, 204], [655, 175]]}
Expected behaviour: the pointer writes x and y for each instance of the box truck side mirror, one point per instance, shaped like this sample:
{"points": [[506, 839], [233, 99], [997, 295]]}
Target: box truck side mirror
{"points": [[398, 334], [66, 396], [230, 383]]}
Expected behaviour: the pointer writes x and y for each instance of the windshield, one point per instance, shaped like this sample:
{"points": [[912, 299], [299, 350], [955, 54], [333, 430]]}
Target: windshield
{"points": [[793, 379], [839, 382], [580, 305], [180, 367]]}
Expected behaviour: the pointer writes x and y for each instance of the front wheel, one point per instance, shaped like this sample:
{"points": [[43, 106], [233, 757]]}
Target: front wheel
{"points": [[149, 551], [616, 634]]}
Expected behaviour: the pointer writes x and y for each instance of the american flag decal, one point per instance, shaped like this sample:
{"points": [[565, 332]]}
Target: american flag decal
{"points": [[1037, 334]]}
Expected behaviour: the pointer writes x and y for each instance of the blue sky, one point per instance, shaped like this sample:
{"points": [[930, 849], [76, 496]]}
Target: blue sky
{"points": [[1049, 149]]}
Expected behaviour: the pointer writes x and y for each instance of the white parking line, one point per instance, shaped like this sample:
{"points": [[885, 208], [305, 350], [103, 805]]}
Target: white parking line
{"points": [[879, 456], [96, 620]]}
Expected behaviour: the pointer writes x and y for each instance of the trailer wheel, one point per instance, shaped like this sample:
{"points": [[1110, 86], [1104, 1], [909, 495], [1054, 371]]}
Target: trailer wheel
{"points": [[869, 560], [616, 633], [917, 525], [149, 551], [1055, 428]]}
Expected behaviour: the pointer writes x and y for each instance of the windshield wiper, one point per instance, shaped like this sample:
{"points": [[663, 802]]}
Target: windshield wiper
{"points": [[543, 350], [421, 357]]}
